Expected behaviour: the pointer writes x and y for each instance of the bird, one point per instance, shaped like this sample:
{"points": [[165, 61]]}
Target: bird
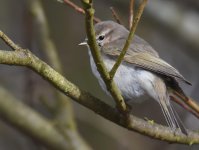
{"points": [[142, 73]]}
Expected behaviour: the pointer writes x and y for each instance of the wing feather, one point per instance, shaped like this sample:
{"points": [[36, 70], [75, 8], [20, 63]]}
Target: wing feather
{"points": [[150, 62]]}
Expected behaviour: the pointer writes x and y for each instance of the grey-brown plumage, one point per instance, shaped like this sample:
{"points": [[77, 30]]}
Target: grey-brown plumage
{"points": [[142, 73]]}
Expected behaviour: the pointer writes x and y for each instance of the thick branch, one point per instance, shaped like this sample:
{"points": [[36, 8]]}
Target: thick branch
{"points": [[26, 58]]}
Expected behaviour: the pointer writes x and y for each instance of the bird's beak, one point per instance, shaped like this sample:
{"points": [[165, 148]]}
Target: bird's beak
{"points": [[84, 43]]}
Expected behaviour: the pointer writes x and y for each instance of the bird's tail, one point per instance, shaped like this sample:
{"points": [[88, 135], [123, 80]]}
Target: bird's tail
{"points": [[172, 118]]}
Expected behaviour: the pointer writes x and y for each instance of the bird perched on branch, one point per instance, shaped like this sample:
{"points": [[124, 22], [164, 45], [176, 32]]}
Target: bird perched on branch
{"points": [[142, 73]]}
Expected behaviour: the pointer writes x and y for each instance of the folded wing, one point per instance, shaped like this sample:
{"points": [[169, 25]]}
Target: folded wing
{"points": [[149, 62]]}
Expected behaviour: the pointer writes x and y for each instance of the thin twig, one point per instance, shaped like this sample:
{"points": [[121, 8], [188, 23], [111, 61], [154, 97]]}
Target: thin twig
{"points": [[131, 12], [79, 9], [182, 104], [73, 5], [24, 57], [129, 39], [8, 41], [191, 103], [115, 15]]}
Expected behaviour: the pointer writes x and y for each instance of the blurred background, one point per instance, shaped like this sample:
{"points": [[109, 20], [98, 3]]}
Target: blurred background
{"points": [[170, 26]]}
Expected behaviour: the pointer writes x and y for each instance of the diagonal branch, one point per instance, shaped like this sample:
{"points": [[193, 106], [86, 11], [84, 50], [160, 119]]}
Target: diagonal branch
{"points": [[183, 105], [8, 41], [24, 57], [115, 15], [191, 103], [131, 12]]}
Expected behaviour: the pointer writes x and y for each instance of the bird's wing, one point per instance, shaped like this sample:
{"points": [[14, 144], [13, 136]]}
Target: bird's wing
{"points": [[149, 62], [137, 45], [140, 45]]}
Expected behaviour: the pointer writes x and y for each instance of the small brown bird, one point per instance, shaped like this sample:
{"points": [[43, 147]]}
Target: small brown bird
{"points": [[142, 73]]}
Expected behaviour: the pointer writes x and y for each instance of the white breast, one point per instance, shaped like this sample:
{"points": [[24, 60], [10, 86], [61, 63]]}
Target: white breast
{"points": [[134, 83]]}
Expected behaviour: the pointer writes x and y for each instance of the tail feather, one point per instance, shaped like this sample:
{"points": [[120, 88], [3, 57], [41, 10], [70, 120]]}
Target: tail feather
{"points": [[179, 122], [172, 118]]}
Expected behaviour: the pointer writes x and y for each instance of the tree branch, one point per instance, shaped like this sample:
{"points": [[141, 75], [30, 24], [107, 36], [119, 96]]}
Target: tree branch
{"points": [[191, 103], [183, 105], [115, 15], [8, 41], [131, 13], [24, 57], [110, 85]]}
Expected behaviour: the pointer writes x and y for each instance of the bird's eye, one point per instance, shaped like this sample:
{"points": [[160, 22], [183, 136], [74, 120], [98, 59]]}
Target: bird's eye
{"points": [[101, 37]]}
